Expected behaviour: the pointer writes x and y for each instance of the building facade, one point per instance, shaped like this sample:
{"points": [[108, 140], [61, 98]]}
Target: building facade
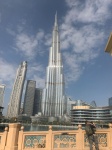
{"points": [[2, 90], [16, 95], [54, 100], [29, 98], [69, 105], [83, 111], [108, 47], [37, 101], [1, 115], [110, 101]]}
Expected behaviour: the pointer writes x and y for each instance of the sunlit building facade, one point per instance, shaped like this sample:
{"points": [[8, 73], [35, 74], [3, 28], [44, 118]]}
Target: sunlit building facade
{"points": [[16, 95], [54, 101]]}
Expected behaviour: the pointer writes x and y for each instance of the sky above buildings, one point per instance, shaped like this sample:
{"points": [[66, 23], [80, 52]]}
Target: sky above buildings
{"points": [[84, 25]]}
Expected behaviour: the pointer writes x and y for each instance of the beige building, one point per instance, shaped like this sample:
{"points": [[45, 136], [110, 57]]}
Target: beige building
{"points": [[108, 47], [16, 95]]}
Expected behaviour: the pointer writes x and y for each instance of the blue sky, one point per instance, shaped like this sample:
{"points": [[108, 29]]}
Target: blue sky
{"points": [[84, 25]]}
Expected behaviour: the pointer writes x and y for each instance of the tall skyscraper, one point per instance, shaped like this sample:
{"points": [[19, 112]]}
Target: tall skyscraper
{"points": [[2, 89], [29, 97], [16, 95], [37, 101], [54, 100]]}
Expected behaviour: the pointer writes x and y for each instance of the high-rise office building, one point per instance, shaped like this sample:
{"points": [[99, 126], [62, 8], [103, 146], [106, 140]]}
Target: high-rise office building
{"points": [[37, 101], [2, 89], [16, 95], [29, 98], [54, 100]]}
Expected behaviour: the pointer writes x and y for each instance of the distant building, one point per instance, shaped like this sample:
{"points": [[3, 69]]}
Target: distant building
{"points": [[21, 108], [29, 98], [82, 111], [24, 119], [110, 101], [2, 89], [16, 95], [1, 115], [69, 105], [108, 47], [54, 101], [37, 101]]}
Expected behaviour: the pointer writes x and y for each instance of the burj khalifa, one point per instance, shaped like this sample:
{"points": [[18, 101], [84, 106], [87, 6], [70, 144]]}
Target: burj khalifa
{"points": [[54, 101]]}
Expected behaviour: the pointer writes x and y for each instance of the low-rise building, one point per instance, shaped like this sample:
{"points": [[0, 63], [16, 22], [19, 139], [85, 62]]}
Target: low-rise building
{"points": [[83, 111]]}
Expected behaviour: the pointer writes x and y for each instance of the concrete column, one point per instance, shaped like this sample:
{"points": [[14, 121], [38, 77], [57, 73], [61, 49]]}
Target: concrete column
{"points": [[79, 138], [110, 137], [12, 138], [4, 138], [20, 138], [49, 142]]}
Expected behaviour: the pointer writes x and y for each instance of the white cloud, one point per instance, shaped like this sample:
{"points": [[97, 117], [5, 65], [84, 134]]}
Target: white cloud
{"points": [[82, 33], [40, 82], [28, 45], [35, 67], [73, 68], [7, 72], [37, 72], [80, 40], [96, 11], [48, 39]]}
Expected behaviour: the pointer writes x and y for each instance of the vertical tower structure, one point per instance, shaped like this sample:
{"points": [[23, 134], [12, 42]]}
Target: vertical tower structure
{"points": [[37, 101], [16, 95], [29, 97], [54, 99], [2, 89]]}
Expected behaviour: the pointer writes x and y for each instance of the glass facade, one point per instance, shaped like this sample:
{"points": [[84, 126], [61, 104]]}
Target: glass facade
{"points": [[37, 101], [29, 97]]}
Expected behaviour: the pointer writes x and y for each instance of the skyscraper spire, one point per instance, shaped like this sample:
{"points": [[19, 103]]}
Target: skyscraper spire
{"points": [[56, 22], [54, 99]]}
